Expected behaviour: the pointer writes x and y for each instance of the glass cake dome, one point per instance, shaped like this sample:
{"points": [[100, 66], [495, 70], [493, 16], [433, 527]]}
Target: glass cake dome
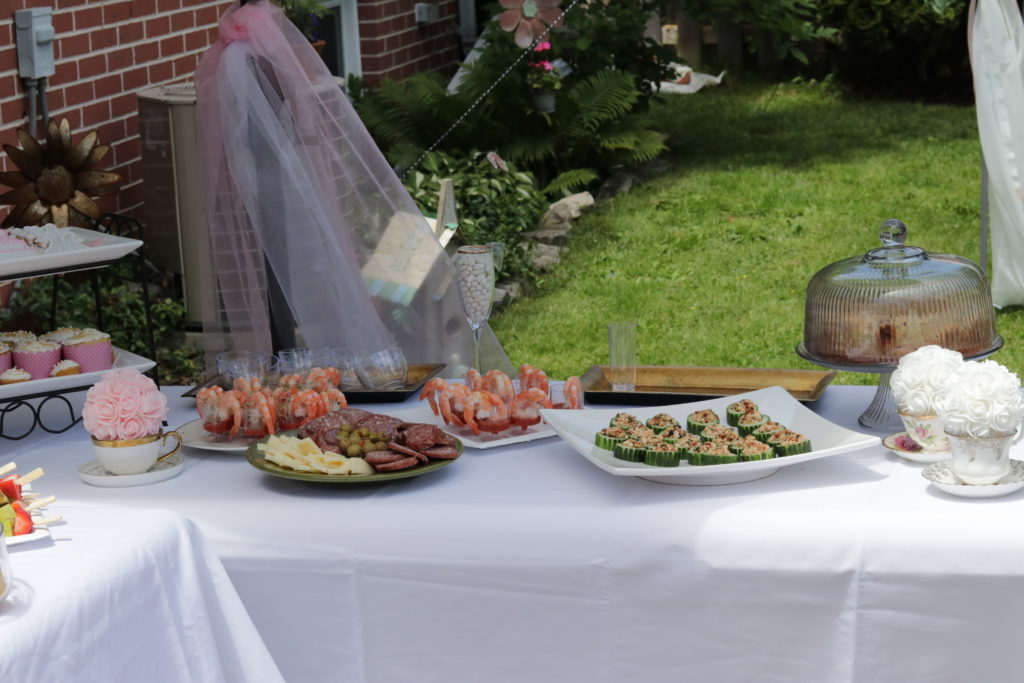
{"points": [[864, 313]]}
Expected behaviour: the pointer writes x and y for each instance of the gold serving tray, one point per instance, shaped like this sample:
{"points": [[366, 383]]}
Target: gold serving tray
{"points": [[416, 377], [665, 385]]}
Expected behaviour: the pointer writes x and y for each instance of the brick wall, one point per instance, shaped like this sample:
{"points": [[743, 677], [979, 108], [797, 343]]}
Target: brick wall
{"points": [[105, 51], [393, 46]]}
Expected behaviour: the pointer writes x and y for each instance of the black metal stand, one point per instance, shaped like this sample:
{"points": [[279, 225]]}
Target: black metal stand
{"points": [[111, 224]]}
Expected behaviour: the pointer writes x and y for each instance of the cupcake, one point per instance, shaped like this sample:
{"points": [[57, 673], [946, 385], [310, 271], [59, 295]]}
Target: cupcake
{"points": [[61, 334], [6, 357], [13, 376], [15, 337], [90, 349], [65, 368], [37, 357]]}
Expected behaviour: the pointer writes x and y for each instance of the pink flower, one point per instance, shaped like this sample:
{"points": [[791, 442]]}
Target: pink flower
{"points": [[546, 65], [124, 404], [541, 47], [132, 428]]}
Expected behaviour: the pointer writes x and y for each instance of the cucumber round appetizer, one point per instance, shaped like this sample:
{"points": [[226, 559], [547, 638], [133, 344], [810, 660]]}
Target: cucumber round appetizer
{"points": [[661, 422], [630, 449], [719, 433], [624, 420], [609, 436], [749, 422], [698, 420], [662, 454], [734, 411], [767, 429], [712, 453], [787, 442]]}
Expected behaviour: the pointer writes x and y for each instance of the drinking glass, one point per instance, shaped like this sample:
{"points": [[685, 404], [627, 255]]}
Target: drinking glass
{"points": [[294, 361], [474, 265], [345, 361], [383, 371], [233, 364], [622, 355]]}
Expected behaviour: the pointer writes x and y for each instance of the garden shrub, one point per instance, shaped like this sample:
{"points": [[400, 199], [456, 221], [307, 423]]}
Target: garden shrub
{"points": [[905, 48], [493, 205]]}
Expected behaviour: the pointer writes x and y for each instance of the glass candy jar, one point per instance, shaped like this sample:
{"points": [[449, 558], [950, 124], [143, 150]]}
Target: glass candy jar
{"points": [[864, 313]]}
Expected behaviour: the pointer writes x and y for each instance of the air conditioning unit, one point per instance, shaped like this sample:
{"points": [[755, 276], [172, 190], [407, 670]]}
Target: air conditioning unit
{"points": [[171, 187]]}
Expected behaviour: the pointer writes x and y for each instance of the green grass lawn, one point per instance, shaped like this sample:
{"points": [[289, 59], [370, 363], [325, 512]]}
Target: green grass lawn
{"points": [[768, 184]]}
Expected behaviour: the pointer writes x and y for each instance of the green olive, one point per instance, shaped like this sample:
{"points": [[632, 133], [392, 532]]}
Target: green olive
{"points": [[346, 427], [343, 443], [354, 451], [380, 446]]}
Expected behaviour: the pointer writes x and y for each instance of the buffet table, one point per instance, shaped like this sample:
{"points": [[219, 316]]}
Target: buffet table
{"points": [[120, 594], [529, 563]]}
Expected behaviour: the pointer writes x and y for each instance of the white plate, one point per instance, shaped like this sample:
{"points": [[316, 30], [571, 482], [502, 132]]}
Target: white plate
{"points": [[921, 456], [578, 428], [194, 436], [943, 478], [93, 473], [122, 359], [36, 535], [99, 247]]}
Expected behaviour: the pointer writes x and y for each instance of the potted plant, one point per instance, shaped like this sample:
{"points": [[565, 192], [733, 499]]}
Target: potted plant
{"points": [[543, 78], [306, 15]]}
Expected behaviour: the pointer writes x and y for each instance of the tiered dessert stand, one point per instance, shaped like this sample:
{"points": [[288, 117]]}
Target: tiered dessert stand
{"points": [[110, 224]]}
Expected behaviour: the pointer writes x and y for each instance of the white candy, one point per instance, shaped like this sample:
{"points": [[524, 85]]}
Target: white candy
{"points": [[476, 283]]}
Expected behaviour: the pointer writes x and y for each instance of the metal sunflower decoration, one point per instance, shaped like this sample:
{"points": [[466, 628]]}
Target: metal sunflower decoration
{"points": [[56, 180]]}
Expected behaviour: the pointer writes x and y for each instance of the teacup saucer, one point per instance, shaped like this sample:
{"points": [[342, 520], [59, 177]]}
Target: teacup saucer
{"points": [[943, 478], [921, 456], [93, 473]]}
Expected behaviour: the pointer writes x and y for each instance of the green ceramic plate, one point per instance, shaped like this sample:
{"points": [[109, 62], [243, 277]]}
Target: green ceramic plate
{"points": [[257, 460]]}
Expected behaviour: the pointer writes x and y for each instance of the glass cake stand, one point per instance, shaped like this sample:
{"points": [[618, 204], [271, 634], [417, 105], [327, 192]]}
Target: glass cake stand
{"points": [[881, 414]]}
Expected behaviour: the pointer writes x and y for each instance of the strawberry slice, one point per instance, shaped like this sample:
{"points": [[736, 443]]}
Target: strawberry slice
{"points": [[22, 521], [10, 487]]}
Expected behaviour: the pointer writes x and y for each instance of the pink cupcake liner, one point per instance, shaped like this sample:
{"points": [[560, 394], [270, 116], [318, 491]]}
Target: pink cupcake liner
{"points": [[6, 360], [37, 363], [91, 357]]}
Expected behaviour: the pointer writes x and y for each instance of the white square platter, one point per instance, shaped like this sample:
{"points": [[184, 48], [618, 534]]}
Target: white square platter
{"points": [[122, 359], [578, 428], [99, 247]]}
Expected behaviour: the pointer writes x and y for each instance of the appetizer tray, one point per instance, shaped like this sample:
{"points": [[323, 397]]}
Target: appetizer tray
{"points": [[658, 385], [100, 248], [256, 459], [418, 375], [579, 427], [35, 387]]}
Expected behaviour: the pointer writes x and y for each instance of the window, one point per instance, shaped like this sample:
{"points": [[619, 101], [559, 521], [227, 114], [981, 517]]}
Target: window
{"points": [[339, 27]]}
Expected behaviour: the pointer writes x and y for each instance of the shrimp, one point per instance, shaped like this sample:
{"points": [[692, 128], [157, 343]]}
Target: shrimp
{"points": [[498, 383], [260, 418], [332, 400], [573, 391], [533, 378], [230, 402], [321, 378], [432, 390], [473, 379], [485, 411], [452, 403], [526, 407], [219, 410]]}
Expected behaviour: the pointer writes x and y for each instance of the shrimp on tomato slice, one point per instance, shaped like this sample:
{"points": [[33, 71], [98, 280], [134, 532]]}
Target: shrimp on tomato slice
{"points": [[486, 412], [526, 407]]}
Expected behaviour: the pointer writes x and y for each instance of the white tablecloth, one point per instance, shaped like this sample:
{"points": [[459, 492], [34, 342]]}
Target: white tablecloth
{"points": [[529, 563], [125, 595]]}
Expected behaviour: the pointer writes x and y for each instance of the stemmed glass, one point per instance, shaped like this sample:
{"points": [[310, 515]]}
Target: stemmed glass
{"points": [[474, 265]]}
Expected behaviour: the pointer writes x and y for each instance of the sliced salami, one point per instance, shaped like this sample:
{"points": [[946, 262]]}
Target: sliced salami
{"points": [[383, 457], [384, 424], [442, 452], [405, 450], [402, 464]]}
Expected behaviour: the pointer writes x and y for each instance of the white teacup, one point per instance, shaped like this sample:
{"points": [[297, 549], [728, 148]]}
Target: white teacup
{"points": [[133, 456], [926, 430], [981, 461]]}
